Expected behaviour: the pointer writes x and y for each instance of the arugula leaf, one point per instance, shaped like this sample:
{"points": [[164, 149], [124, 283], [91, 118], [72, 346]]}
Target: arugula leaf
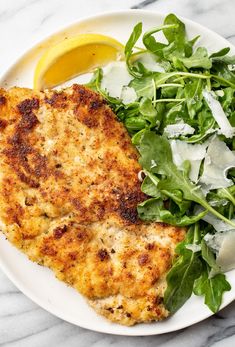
{"points": [[198, 59], [227, 100], [144, 87], [134, 124], [206, 123], [135, 35], [95, 81], [221, 56], [209, 257], [150, 42], [149, 188], [153, 210], [222, 52], [137, 137], [181, 277], [178, 45], [178, 32], [212, 288], [169, 91], [222, 74], [148, 111], [194, 97], [177, 36]]}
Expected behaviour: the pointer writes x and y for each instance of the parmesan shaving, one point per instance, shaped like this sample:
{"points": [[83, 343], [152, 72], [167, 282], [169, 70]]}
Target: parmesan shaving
{"points": [[128, 95], [153, 164], [226, 256], [176, 130], [193, 247], [218, 160], [218, 113], [182, 151], [223, 244], [149, 62], [114, 78]]}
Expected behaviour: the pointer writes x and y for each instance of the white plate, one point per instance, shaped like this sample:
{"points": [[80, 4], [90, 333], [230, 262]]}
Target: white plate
{"points": [[39, 283]]}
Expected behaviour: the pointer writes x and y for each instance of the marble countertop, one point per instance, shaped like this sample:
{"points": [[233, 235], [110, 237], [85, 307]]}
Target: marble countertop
{"points": [[22, 323]]}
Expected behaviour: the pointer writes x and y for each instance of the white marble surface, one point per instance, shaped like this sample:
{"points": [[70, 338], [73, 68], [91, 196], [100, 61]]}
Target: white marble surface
{"points": [[22, 323]]}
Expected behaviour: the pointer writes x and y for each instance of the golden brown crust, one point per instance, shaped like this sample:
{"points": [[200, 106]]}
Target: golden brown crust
{"points": [[69, 191]]}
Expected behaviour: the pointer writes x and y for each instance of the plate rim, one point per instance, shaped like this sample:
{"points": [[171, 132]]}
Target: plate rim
{"points": [[19, 284]]}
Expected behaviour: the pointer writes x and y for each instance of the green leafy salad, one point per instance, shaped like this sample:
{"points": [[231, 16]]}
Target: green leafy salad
{"points": [[177, 102]]}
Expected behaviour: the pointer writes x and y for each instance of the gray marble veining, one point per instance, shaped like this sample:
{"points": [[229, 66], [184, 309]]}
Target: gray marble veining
{"points": [[22, 323], [143, 4]]}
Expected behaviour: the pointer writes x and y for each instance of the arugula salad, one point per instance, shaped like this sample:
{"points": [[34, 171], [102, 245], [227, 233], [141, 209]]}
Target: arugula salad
{"points": [[177, 102]]}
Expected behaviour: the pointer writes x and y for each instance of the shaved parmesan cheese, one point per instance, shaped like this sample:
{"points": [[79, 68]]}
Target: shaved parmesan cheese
{"points": [[205, 189], [218, 160], [153, 163], [219, 92], [114, 78], [211, 131], [175, 130], [226, 256], [128, 95], [182, 151], [223, 244], [193, 247], [149, 62], [214, 241], [217, 223], [218, 113]]}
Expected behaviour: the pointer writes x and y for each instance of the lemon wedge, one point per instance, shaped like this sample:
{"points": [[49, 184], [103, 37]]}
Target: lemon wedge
{"points": [[75, 56]]}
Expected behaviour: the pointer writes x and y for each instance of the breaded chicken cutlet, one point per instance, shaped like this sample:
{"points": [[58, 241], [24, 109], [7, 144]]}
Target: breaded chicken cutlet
{"points": [[68, 196]]}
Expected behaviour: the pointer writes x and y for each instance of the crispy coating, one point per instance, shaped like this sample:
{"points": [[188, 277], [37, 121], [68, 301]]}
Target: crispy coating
{"points": [[68, 196]]}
